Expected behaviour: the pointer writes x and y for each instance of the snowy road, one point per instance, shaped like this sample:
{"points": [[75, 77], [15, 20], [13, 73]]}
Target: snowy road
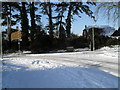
{"points": [[86, 69], [83, 59]]}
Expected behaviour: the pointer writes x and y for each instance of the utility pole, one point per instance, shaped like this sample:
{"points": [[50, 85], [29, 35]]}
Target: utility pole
{"points": [[93, 40]]}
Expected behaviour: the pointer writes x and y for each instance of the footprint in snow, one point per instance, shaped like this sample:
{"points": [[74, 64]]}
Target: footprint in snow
{"points": [[35, 62], [47, 62]]}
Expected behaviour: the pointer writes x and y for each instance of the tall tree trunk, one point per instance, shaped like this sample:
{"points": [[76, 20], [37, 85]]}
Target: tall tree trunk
{"points": [[68, 25], [25, 26], [68, 21], [33, 25], [9, 27], [61, 29], [50, 20]]}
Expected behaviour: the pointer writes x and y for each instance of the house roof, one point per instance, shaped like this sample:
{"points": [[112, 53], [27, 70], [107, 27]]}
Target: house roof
{"points": [[108, 31]]}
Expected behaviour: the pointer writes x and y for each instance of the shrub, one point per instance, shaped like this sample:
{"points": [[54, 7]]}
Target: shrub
{"points": [[79, 42], [113, 41]]}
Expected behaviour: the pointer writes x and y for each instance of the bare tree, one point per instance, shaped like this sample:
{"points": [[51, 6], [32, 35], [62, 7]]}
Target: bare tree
{"points": [[109, 9]]}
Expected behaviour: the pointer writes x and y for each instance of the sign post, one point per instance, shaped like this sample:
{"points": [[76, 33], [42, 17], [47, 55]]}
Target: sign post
{"points": [[19, 39]]}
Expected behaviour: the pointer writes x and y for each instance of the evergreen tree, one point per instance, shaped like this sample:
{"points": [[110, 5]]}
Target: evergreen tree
{"points": [[33, 25], [75, 8], [47, 10], [7, 15], [60, 9], [24, 25]]}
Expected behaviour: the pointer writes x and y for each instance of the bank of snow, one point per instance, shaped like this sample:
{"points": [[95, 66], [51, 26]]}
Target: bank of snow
{"points": [[84, 69]]}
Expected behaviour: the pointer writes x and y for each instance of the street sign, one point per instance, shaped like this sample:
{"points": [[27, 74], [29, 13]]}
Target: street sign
{"points": [[16, 35]]}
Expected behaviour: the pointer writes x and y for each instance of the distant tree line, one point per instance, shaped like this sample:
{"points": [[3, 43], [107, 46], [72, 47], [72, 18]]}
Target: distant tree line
{"points": [[59, 24]]}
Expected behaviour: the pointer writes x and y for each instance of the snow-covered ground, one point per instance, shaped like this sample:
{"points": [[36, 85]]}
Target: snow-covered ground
{"points": [[85, 69]]}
